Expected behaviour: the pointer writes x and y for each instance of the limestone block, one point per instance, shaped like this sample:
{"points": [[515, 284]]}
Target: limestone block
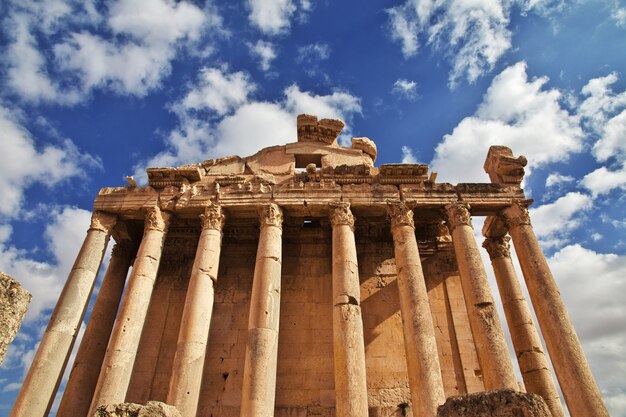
{"points": [[366, 145], [498, 403], [151, 409], [14, 302]]}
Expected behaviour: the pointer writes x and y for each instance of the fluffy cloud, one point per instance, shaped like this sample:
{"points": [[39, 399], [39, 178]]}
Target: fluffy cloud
{"points": [[515, 112], [405, 89], [271, 17], [141, 41], [24, 162], [313, 53], [239, 125], [265, 52], [553, 222], [407, 156], [555, 179]]}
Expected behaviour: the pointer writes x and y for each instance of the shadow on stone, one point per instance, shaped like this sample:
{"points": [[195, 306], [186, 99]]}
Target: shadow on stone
{"points": [[498, 403], [151, 409]]}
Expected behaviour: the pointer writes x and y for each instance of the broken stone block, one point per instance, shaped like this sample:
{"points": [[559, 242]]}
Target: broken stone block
{"points": [[14, 302], [151, 409], [497, 403]]}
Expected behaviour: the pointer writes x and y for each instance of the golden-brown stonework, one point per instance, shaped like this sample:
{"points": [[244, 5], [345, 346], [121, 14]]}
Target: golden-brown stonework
{"points": [[340, 213], [458, 214], [271, 215], [401, 214], [213, 217], [498, 247]]}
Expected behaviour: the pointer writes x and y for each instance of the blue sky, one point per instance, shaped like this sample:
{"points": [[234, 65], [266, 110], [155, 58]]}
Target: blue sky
{"points": [[92, 92]]}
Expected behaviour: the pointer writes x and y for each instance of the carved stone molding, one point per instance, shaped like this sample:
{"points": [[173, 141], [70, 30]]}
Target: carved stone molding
{"points": [[213, 217], [340, 213], [156, 219], [102, 221], [458, 215], [515, 215], [271, 215], [400, 214], [498, 247]]}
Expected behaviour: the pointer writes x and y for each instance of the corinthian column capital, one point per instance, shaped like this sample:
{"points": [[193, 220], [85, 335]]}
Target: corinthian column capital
{"points": [[400, 214], [271, 215], [213, 217], [458, 215], [515, 215], [498, 247], [156, 219], [102, 221], [340, 213]]}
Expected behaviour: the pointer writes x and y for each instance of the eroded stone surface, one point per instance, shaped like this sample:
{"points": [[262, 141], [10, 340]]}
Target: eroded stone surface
{"points": [[14, 302], [151, 409], [498, 403]]}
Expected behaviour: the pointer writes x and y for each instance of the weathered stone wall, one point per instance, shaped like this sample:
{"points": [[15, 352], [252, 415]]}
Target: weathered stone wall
{"points": [[152, 409], [498, 403], [14, 302]]}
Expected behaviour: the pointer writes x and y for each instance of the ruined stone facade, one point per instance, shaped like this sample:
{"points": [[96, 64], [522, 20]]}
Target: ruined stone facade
{"points": [[14, 301], [305, 281]]}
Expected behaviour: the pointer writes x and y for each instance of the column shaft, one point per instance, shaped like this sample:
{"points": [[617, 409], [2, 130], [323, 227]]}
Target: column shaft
{"points": [[419, 335], [491, 347], [120, 356], [348, 339], [84, 377], [579, 388], [44, 375], [259, 377], [184, 389], [532, 361]]}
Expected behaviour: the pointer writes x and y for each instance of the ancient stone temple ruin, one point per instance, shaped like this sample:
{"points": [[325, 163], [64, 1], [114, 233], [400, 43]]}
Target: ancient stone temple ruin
{"points": [[305, 281]]}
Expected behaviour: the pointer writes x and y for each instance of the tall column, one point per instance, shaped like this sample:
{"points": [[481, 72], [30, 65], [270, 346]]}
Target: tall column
{"points": [[84, 376], [572, 370], [259, 375], [348, 339], [419, 335], [186, 379], [44, 375], [532, 361], [119, 359], [491, 347]]}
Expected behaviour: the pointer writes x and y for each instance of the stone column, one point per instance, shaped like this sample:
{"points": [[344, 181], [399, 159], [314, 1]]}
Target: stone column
{"points": [[84, 376], [532, 361], [259, 375], [348, 342], [491, 347], [184, 389], [44, 375], [119, 359], [572, 370], [419, 335]]}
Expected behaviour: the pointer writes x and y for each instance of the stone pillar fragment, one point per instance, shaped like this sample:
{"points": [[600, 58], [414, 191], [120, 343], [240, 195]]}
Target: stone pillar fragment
{"points": [[259, 377], [14, 301], [420, 344], [348, 339], [532, 361], [120, 356], [44, 375], [579, 388], [84, 376], [184, 389], [491, 347]]}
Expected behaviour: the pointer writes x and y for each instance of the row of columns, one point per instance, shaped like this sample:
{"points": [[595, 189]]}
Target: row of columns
{"points": [[102, 377]]}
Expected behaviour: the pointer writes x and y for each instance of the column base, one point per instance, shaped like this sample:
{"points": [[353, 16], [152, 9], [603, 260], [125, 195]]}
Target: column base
{"points": [[497, 403], [151, 409]]}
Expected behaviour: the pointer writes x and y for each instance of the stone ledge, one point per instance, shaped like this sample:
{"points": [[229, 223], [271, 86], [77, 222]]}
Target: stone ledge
{"points": [[498, 403], [14, 301], [151, 409]]}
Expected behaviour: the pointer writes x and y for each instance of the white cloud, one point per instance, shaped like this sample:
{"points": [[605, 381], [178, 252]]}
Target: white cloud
{"points": [[405, 89], [271, 17], [515, 112], [407, 156], [24, 162], [265, 52], [619, 16], [602, 181], [555, 179], [553, 222], [313, 53]]}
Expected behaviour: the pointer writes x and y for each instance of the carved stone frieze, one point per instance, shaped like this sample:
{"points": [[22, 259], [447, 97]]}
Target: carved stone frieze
{"points": [[458, 215], [498, 247], [515, 215], [156, 219], [271, 215], [401, 214], [213, 217], [403, 173], [340, 213], [324, 131], [102, 221]]}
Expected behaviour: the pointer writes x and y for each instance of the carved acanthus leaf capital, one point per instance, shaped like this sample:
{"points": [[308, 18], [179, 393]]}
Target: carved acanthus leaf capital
{"points": [[458, 215], [401, 214], [156, 219], [515, 215], [213, 217], [340, 213], [271, 215], [102, 221], [498, 247]]}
